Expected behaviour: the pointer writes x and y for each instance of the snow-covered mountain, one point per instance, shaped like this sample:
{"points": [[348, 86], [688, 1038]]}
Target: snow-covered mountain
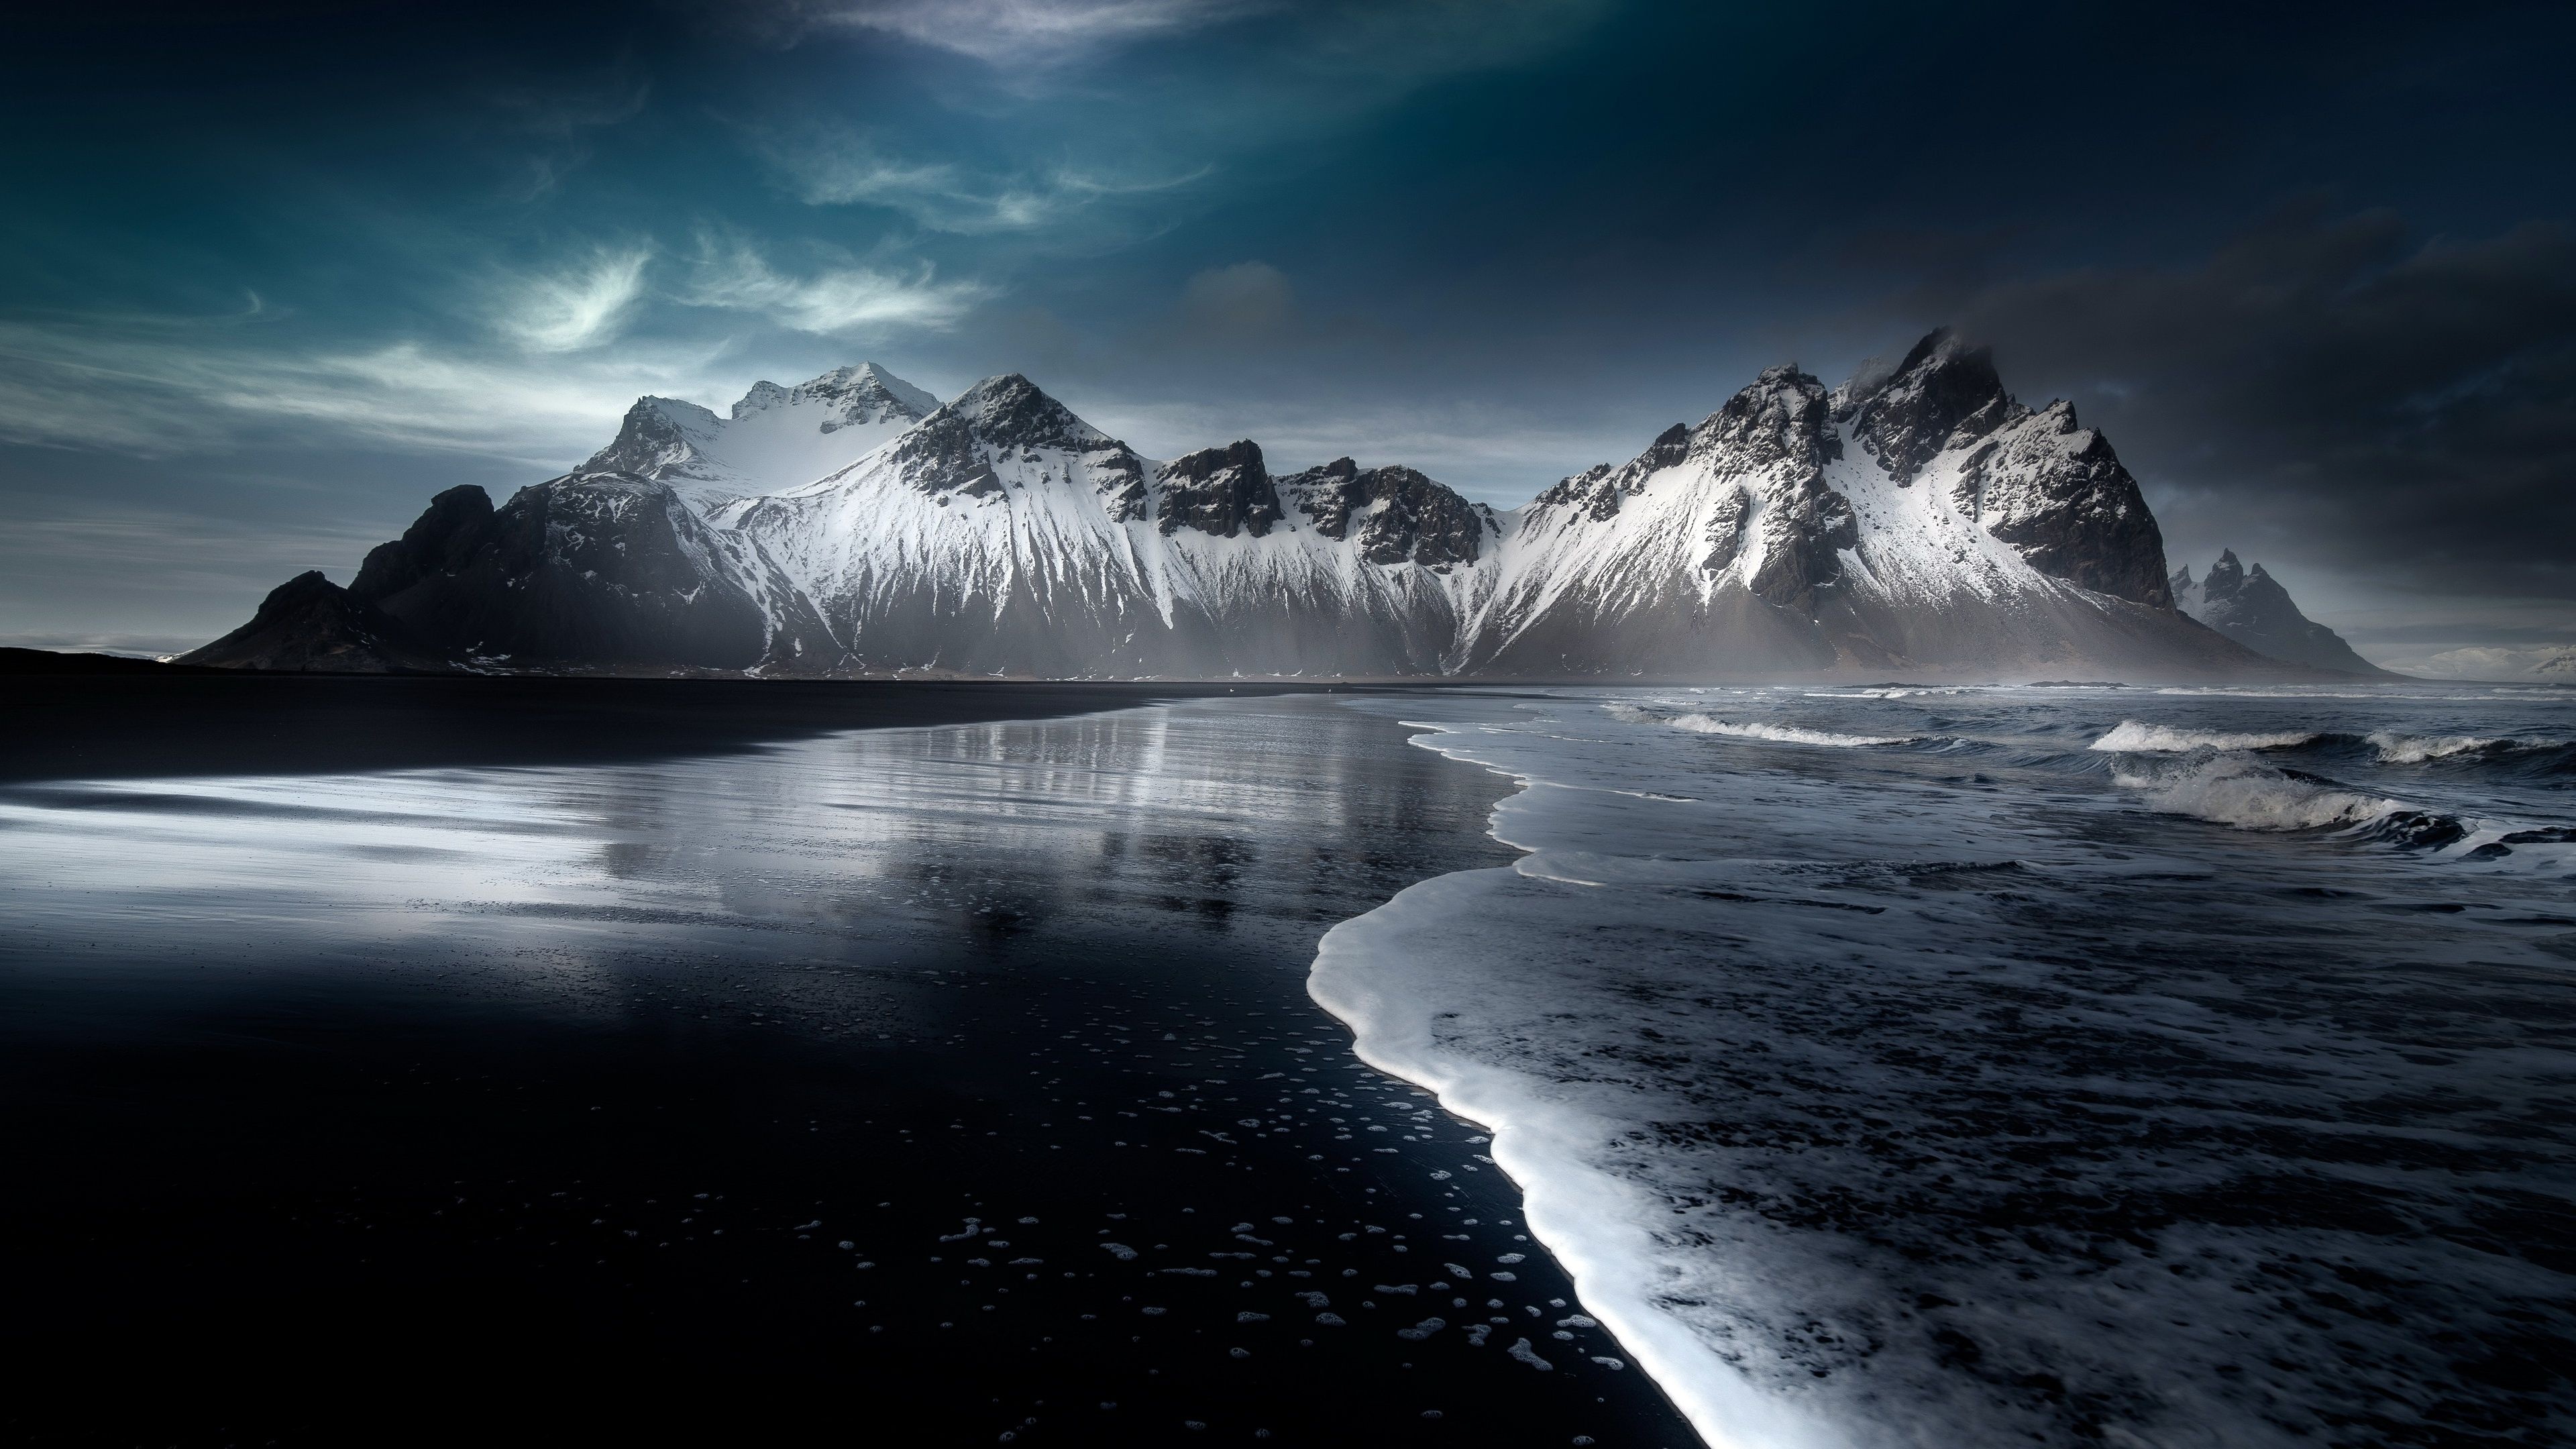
{"points": [[1004, 534], [777, 437], [1916, 519], [2251, 607]]}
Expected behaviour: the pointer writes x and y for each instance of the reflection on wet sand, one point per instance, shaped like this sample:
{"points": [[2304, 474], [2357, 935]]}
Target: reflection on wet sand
{"points": [[685, 1074]]}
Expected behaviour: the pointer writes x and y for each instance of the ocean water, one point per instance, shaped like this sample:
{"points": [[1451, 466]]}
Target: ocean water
{"points": [[2053, 1065], [1824, 1067]]}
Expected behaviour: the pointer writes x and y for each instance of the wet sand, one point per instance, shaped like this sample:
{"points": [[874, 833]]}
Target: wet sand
{"points": [[949, 1085]]}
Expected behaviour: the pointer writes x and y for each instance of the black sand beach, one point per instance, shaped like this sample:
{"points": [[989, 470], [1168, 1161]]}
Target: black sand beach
{"points": [[709, 1076]]}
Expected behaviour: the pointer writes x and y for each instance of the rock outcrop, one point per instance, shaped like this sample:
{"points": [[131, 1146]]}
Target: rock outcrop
{"points": [[310, 625]]}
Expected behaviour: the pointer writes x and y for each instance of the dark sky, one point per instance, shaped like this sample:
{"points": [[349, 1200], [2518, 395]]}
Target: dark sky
{"points": [[269, 280]]}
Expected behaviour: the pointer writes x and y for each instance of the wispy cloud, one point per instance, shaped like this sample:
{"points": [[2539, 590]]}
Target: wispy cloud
{"points": [[841, 297], [171, 387], [1022, 32], [530, 367], [580, 306], [1088, 156], [840, 167], [559, 119]]}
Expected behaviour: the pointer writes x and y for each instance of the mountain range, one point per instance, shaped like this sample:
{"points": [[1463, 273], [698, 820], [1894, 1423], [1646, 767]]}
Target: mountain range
{"points": [[1916, 519]]}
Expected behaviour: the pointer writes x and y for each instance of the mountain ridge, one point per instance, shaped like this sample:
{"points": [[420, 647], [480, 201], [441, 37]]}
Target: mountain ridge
{"points": [[1917, 517]]}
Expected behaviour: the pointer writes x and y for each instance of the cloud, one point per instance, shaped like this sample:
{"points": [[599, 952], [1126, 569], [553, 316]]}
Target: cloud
{"points": [[580, 306], [1024, 32], [1350, 46], [556, 119], [1082, 156], [842, 297], [522, 368], [836, 166], [159, 388]]}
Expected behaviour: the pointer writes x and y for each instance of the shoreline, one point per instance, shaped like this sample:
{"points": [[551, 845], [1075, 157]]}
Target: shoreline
{"points": [[1866, 1088], [1568, 1204]]}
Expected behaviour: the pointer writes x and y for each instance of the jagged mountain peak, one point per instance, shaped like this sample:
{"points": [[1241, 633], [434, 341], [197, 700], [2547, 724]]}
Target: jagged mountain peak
{"points": [[677, 410], [1944, 388], [1223, 491], [1397, 514], [2251, 607], [775, 438], [873, 376], [1012, 411], [863, 392], [1785, 414]]}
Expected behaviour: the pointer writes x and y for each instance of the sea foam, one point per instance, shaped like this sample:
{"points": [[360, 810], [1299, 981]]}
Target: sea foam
{"points": [[2134, 738], [2249, 797], [1854, 1136]]}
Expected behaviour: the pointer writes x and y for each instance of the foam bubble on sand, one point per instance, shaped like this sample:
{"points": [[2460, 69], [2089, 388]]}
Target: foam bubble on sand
{"points": [[1596, 1222], [2131, 737]]}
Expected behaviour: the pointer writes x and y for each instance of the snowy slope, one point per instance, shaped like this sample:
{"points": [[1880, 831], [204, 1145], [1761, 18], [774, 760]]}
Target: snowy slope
{"points": [[1922, 521], [1004, 534], [777, 437]]}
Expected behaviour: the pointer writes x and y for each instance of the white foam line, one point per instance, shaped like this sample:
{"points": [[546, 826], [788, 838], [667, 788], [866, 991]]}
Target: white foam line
{"points": [[1589, 1219], [1777, 734]]}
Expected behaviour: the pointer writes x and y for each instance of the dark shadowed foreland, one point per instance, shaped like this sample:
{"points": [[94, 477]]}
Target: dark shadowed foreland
{"points": [[164, 720]]}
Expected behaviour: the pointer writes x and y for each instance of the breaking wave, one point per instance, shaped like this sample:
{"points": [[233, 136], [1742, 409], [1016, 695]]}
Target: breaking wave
{"points": [[1786, 734], [2249, 796], [2397, 749], [2134, 738], [1669, 1010], [2543, 756], [2383, 747], [1705, 724]]}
